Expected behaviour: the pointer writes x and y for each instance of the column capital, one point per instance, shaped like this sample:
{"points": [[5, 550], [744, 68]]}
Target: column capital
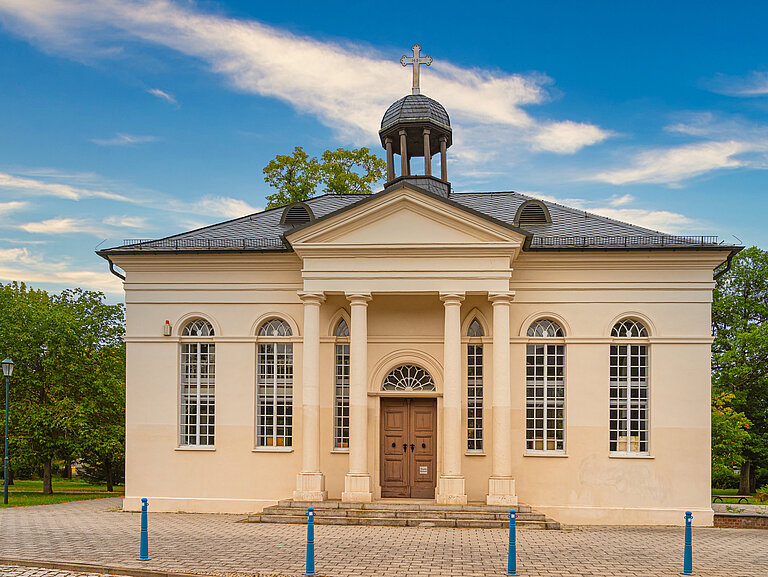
{"points": [[387, 140], [311, 297], [402, 132], [358, 298], [504, 297], [452, 298], [426, 131]]}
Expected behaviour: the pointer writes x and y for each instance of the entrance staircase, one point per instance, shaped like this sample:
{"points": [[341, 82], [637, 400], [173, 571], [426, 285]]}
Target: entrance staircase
{"points": [[403, 513]]}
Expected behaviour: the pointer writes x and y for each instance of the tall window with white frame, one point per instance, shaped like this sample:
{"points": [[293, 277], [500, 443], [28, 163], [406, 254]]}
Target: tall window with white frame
{"points": [[274, 427], [629, 388], [475, 387], [198, 375], [545, 388], [341, 387]]}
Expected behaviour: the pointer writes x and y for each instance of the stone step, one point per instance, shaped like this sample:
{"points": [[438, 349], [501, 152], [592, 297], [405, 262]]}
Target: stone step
{"points": [[403, 506], [403, 522], [405, 514]]}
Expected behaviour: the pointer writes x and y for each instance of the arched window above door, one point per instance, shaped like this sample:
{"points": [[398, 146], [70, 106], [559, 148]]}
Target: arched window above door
{"points": [[408, 378]]}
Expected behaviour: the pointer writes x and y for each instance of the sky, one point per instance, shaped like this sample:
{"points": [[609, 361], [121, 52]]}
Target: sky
{"points": [[136, 119]]}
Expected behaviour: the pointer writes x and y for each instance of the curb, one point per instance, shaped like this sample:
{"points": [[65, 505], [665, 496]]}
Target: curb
{"points": [[94, 568]]}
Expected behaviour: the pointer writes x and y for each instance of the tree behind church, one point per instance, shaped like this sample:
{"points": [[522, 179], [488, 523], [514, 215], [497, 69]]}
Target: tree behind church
{"points": [[740, 353], [67, 348], [296, 177]]}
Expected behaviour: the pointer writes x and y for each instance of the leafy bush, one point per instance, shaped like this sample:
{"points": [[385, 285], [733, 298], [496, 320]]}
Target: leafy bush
{"points": [[762, 494], [724, 479]]}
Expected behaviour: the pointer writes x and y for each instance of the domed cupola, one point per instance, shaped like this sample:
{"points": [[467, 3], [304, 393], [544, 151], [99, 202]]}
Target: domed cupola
{"points": [[417, 126]]}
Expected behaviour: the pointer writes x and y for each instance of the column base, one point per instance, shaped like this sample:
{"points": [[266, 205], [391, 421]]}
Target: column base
{"points": [[357, 488], [310, 487], [450, 490], [501, 491]]}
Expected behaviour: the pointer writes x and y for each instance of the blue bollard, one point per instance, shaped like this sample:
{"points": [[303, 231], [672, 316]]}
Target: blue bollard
{"points": [[512, 552], [310, 542], [688, 552], [144, 547]]}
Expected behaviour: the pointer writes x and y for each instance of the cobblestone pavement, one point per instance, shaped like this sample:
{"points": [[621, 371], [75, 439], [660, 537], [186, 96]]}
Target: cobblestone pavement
{"points": [[16, 571], [96, 532]]}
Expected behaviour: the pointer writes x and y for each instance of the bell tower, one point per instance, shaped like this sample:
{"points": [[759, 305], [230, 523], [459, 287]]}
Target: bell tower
{"points": [[417, 126]]}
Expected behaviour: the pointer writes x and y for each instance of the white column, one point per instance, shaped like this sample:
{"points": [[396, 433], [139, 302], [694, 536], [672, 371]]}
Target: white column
{"points": [[357, 483], [501, 485], [310, 483], [451, 483]]}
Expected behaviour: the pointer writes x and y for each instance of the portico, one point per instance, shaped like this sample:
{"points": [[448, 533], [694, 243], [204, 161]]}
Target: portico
{"points": [[430, 256]]}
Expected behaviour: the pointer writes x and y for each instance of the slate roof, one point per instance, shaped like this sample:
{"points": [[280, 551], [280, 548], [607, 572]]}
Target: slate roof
{"points": [[570, 228], [415, 108]]}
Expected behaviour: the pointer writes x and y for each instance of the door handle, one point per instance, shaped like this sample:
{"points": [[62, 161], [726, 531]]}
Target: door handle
{"points": [[423, 445], [405, 447], [412, 446], [393, 445]]}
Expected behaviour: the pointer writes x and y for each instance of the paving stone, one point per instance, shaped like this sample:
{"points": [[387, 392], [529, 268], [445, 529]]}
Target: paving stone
{"points": [[96, 532]]}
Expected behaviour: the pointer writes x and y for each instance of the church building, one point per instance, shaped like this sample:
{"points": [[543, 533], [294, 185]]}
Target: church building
{"points": [[421, 343]]}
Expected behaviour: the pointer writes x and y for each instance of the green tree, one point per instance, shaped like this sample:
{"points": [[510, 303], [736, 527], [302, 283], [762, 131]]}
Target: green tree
{"points": [[340, 171], [62, 345], [295, 177], [740, 352], [730, 434], [351, 171]]}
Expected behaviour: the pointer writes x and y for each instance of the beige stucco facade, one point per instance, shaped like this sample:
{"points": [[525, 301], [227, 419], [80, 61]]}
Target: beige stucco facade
{"points": [[409, 273]]}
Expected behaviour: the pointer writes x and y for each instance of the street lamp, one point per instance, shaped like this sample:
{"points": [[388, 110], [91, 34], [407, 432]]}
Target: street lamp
{"points": [[7, 372]]}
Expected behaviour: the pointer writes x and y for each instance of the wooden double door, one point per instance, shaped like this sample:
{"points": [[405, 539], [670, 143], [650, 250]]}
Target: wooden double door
{"points": [[408, 447]]}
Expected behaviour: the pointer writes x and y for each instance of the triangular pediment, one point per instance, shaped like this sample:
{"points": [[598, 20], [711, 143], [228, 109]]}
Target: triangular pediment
{"points": [[405, 217]]}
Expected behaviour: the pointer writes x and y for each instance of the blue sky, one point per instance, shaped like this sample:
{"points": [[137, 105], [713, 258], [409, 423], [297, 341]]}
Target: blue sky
{"points": [[142, 118]]}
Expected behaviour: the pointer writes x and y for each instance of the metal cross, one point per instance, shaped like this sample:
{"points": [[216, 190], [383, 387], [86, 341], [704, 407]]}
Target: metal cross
{"points": [[416, 60]]}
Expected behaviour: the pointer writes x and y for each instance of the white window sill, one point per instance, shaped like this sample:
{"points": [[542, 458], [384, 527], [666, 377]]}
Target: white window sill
{"points": [[630, 456], [195, 448], [341, 451], [550, 454], [272, 450], [475, 453]]}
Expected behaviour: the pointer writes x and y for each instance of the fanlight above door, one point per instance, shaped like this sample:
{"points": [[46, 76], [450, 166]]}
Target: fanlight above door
{"points": [[408, 378]]}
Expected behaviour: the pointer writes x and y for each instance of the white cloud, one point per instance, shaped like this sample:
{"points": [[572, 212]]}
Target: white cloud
{"points": [[121, 139], [162, 95], [621, 200], [756, 84], [675, 164], [217, 206], [63, 226], [18, 264], [14, 205], [347, 87], [37, 187], [126, 221], [568, 137]]}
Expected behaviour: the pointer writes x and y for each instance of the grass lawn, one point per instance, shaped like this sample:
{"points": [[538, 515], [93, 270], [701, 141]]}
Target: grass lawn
{"points": [[752, 500], [24, 493]]}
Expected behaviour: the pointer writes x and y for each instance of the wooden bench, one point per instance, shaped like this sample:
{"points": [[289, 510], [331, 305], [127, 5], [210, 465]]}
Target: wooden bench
{"points": [[741, 498]]}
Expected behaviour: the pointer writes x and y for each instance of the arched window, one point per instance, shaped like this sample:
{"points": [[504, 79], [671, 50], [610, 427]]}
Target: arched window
{"points": [[341, 387], [475, 387], [275, 385], [629, 389], [408, 378], [198, 375], [545, 387], [629, 328]]}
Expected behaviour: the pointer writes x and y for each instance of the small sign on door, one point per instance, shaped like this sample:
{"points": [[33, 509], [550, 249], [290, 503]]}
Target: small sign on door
{"points": [[423, 470]]}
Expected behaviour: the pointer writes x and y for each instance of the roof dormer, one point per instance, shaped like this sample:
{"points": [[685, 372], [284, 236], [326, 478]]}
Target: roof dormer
{"points": [[297, 214], [532, 212]]}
